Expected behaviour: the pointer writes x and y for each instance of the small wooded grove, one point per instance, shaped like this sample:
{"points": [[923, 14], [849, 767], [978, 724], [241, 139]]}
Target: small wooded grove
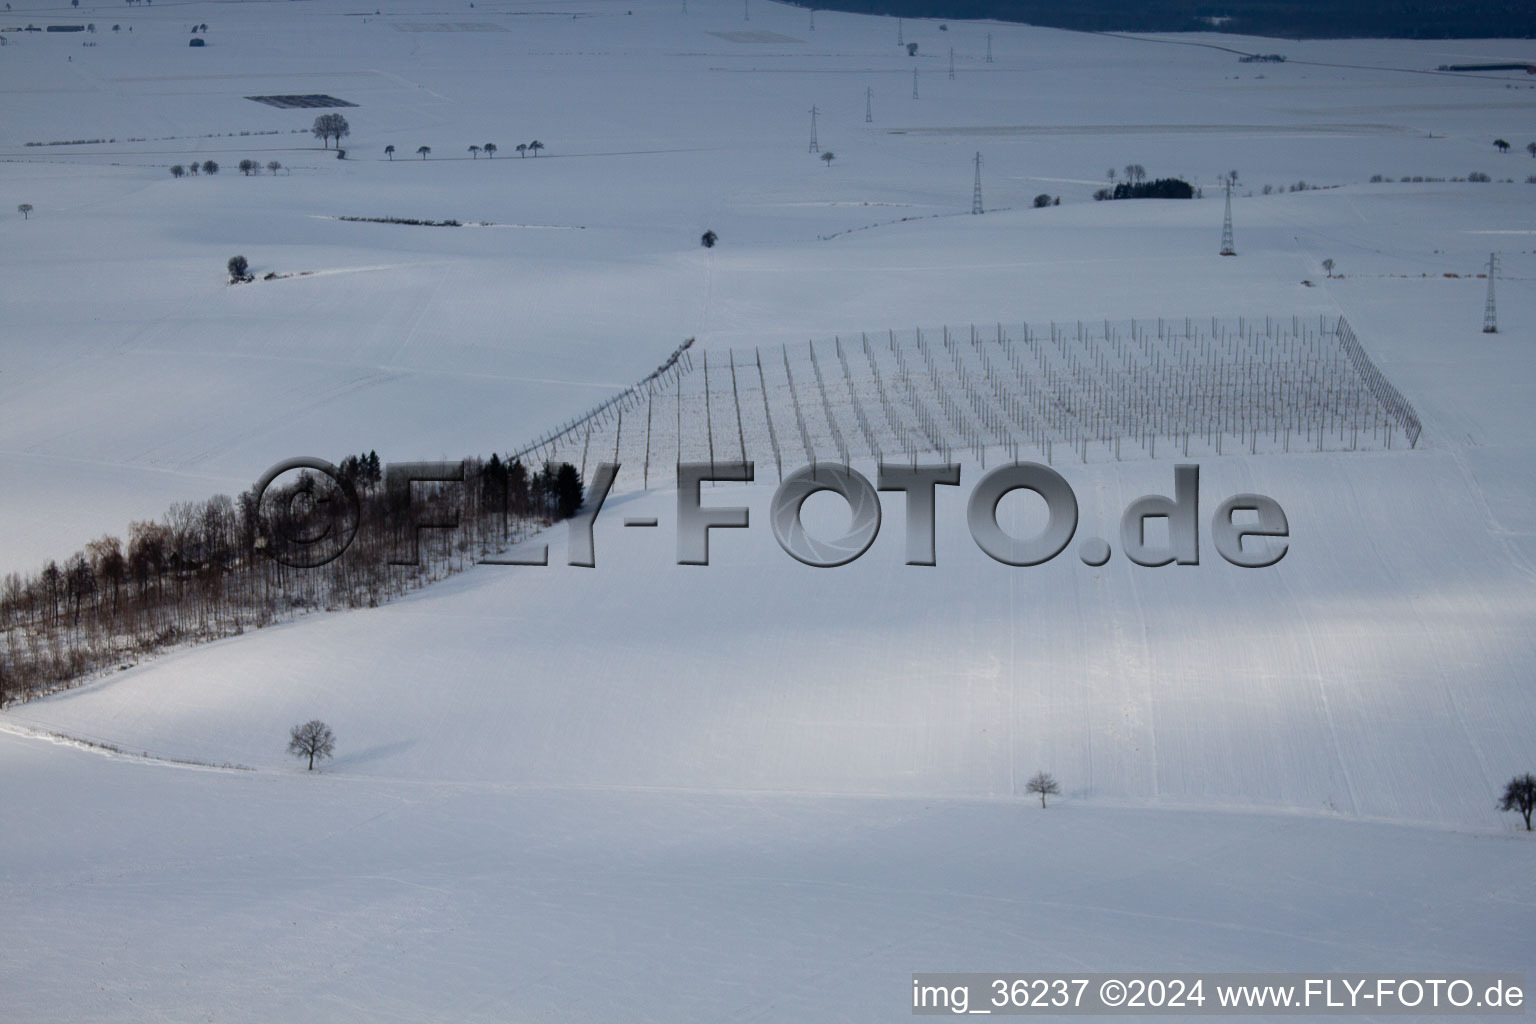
{"points": [[1162, 188], [205, 569]]}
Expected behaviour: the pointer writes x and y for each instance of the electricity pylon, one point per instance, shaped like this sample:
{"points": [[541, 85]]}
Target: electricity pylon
{"points": [[1227, 249], [989, 47], [1490, 314], [951, 63], [976, 189], [814, 147], [914, 83], [869, 105]]}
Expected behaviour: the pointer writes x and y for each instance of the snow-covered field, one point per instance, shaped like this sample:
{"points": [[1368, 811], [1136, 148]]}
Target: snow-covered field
{"points": [[753, 791]]}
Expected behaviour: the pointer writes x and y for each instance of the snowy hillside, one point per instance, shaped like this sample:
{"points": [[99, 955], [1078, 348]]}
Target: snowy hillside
{"points": [[756, 769]]}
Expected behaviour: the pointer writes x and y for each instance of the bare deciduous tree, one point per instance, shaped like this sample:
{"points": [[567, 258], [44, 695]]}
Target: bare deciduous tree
{"points": [[389, 151], [828, 157], [423, 150], [490, 150], [1328, 266], [331, 126], [239, 268], [1520, 795], [25, 209], [312, 739], [1043, 783], [274, 166]]}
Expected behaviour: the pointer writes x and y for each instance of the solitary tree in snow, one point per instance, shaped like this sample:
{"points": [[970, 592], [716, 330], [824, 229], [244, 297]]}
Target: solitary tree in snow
{"points": [[490, 150], [239, 268], [331, 126], [210, 167], [828, 157], [389, 151], [1520, 795], [1328, 266], [274, 166], [535, 146], [522, 149], [474, 152], [247, 166], [1530, 147], [708, 239], [1501, 145], [423, 150], [1043, 784], [312, 739], [177, 170], [25, 209]]}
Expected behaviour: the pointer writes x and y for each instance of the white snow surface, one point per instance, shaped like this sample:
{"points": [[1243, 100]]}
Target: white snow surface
{"points": [[753, 790]]}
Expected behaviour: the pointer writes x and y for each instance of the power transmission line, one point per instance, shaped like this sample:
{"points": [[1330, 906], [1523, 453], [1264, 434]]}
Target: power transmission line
{"points": [[1490, 314], [1227, 248], [976, 189]]}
